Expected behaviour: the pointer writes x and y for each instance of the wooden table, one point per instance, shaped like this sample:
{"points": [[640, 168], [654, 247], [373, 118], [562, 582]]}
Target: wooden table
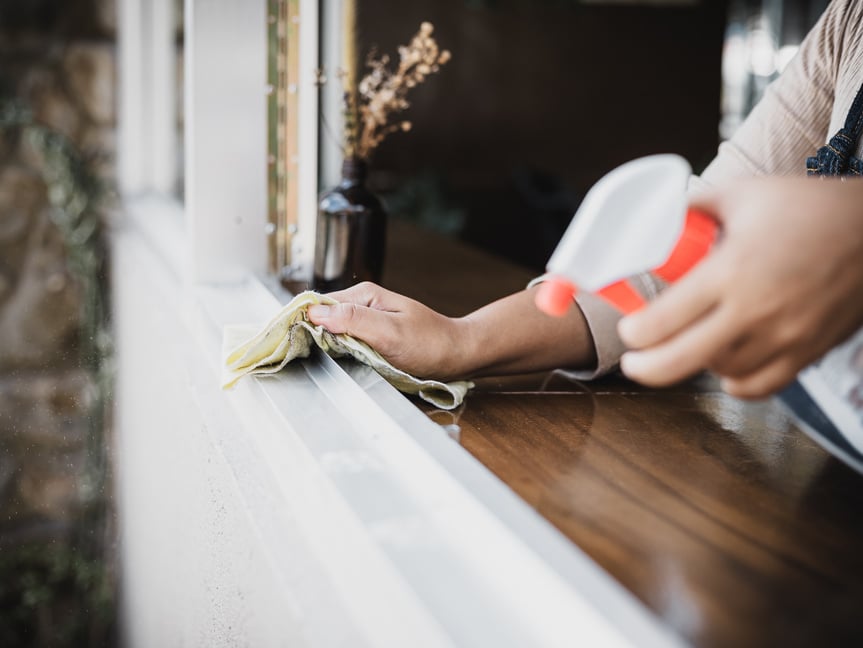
{"points": [[721, 516]]}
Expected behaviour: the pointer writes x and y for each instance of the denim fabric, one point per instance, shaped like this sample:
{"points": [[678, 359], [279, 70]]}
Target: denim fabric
{"points": [[837, 159]]}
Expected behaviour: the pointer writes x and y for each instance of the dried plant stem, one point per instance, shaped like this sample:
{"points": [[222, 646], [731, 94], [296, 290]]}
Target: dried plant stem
{"points": [[369, 107]]}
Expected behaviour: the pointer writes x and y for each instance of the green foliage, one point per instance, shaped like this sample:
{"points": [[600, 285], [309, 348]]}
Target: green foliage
{"points": [[45, 588], [61, 593], [76, 195]]}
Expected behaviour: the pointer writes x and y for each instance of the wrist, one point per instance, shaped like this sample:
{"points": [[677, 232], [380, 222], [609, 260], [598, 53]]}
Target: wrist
{"points": [[464, 349]]}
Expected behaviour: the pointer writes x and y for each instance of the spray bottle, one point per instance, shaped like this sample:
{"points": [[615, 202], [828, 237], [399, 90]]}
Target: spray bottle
{"points": [[635, 219]]}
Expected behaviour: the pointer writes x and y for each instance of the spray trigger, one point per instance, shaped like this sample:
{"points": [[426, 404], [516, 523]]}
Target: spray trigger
{"points": [[634, 220]]}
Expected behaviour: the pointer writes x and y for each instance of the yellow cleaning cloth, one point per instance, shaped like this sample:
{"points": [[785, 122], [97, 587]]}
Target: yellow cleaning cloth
{"points": [[290, 335]]}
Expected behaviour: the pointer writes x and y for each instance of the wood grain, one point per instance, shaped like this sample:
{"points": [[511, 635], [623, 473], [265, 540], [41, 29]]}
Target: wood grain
{"points": [[721, 516]]}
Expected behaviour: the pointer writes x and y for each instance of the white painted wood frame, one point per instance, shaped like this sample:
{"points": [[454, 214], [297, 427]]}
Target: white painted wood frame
{"points": [[147, 99]]}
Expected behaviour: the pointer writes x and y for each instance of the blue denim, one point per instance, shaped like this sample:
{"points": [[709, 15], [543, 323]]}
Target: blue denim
{"points": [[837, 159]]}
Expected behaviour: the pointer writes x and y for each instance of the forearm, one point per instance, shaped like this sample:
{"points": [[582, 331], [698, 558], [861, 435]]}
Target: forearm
{"points": [[511, 336]]}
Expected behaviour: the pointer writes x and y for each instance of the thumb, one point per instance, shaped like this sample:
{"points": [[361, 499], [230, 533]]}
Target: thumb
{"points": [[368, 324], [709, 201]]}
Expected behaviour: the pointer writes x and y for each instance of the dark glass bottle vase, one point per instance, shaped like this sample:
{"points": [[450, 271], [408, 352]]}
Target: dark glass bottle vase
{"points": [[351, 232]]}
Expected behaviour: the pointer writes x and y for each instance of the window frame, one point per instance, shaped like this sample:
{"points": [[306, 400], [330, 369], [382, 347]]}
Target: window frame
{"points": [[225, 165], [148, 141]]}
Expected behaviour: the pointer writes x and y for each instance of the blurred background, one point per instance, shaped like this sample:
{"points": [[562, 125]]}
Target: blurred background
{"points": [[541, 98], [57, 127]]}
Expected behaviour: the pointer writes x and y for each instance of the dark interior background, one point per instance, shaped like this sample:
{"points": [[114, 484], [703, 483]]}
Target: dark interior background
{"points": [[540, 99]]}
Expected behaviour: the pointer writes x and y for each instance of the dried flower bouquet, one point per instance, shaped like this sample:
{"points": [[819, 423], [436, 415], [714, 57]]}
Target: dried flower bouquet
{"points": [[371, 107]]}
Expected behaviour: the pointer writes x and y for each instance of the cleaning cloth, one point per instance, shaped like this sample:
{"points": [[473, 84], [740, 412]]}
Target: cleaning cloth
{"points": [[291, 335]]}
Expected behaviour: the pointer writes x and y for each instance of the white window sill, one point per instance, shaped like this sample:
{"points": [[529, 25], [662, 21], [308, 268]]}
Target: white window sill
{"points": [[379, 528]]}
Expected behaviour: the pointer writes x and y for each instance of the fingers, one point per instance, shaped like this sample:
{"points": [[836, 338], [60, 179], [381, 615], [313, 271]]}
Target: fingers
{"points": [[368, 324], [368, 294], [684, 354], [765, 381], [776, 372], [359, 311], [746, 356], [677, 308]]}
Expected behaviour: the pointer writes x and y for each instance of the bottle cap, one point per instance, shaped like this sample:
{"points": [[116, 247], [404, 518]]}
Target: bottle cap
{"points": [[555, 296]]}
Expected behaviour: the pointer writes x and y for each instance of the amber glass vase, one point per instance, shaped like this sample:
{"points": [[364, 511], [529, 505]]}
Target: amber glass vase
{"points": [[351, 232]]}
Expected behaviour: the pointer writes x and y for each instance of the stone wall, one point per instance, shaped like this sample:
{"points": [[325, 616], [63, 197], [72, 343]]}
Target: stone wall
{"points": [[57, 60]]}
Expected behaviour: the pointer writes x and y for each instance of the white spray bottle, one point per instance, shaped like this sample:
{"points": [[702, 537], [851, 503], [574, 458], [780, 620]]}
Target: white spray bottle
{"points": [[635, 219]]}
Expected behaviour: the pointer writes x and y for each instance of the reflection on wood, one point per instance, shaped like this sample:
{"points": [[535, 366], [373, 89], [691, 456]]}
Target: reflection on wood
{"points": [[721, 516]]}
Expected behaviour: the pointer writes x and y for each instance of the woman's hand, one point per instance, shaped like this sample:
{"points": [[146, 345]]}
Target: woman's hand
{"points": [[782, 287], [507, 336], [406, 333]]}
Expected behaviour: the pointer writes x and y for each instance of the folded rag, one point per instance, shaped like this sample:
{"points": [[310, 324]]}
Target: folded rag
{"points": [[290, 335]]}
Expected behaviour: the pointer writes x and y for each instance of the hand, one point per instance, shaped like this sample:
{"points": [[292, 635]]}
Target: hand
{"points": [[782, 287], [406, 333], [507, 336]]}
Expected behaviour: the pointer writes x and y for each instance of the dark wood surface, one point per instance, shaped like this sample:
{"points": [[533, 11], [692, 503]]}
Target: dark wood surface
{"points": [[721, 516]]}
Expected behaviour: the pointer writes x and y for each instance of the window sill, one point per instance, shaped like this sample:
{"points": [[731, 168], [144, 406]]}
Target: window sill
{"points": [[367, 520]]}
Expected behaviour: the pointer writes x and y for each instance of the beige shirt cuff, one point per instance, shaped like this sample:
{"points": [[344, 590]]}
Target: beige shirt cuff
{"points": [[602, 319]]}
